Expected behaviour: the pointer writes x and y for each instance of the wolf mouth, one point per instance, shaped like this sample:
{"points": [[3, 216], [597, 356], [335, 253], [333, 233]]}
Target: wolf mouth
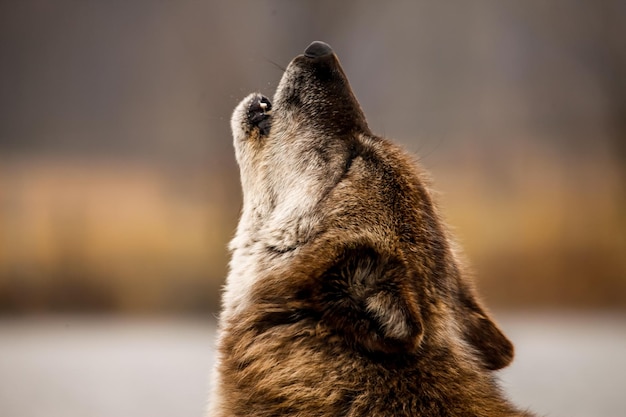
{"points": [[259, 110], [259, 114], [313, 84]]}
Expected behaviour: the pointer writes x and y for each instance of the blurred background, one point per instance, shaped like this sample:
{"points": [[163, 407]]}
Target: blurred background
{"points": [[119, 190]]}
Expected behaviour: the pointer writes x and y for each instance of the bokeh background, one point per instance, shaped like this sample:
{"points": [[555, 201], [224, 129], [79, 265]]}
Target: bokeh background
{"points": [[119, 190]]}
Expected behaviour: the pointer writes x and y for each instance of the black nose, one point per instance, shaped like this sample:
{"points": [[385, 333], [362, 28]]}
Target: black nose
{"points": [[318, 49]]}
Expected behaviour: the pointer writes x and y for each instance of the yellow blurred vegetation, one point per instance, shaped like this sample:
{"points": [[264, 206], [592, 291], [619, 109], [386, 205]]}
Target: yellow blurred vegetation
{"points": [[555, 236], [125, 236], [107, 235]]}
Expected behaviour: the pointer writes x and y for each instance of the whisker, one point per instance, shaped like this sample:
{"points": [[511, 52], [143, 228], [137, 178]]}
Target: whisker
{"points": [[276, 65]]}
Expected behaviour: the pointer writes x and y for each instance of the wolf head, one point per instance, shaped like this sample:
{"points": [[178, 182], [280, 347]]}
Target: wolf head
{"points": [[338, 226]]}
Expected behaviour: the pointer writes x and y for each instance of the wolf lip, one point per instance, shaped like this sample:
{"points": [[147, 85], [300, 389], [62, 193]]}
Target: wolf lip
{"points": [[259, 114]]}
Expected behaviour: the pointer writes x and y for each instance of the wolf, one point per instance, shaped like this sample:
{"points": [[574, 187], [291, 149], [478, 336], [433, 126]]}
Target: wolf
{"points": [[346, 294]]}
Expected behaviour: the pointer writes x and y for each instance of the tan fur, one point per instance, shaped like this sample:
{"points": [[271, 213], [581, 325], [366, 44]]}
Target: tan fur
{"points": [[345, 296]]}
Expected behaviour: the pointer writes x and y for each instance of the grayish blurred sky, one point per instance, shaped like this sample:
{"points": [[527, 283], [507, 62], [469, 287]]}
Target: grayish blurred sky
{"points": [[162, 77]]}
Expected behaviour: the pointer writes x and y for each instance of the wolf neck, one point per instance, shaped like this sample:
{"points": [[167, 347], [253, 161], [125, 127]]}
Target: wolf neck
{"points": [[267, 235]]}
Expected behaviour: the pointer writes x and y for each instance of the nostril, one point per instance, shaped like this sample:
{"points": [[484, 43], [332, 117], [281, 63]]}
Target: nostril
{"points": [[318, 49]]}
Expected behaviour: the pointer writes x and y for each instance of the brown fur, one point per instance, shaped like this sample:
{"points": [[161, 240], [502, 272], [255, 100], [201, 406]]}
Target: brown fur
{"points": [[358, 306]]}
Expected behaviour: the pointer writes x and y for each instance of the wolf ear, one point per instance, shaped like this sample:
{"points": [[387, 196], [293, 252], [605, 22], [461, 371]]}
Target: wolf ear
{"points": [[479, 329], [368, 298]]}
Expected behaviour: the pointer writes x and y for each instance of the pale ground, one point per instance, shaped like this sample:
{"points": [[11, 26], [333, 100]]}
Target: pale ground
{"points": [[567, 365]]}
